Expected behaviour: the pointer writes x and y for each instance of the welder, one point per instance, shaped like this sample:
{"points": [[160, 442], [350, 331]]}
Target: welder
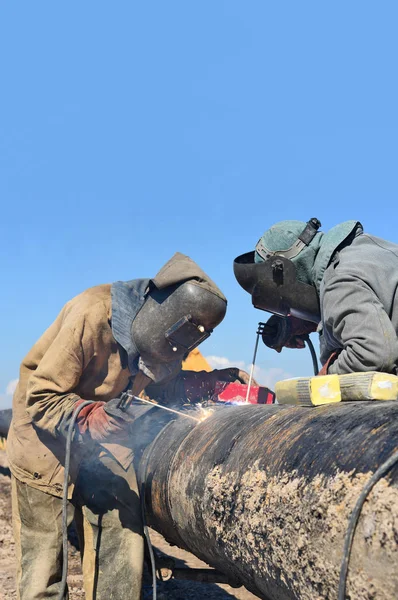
{"points": [[126, 335], [342, 284]]}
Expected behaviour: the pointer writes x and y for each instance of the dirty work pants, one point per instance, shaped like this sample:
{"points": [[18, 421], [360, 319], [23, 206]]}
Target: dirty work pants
{"points": [[107, 513]]}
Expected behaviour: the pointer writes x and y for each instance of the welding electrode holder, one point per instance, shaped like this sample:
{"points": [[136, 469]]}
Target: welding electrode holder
{"points": [[125, 400]]}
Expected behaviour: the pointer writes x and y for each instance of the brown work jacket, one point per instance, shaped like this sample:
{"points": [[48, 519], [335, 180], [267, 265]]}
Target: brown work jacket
{"points": [[77, 357]]}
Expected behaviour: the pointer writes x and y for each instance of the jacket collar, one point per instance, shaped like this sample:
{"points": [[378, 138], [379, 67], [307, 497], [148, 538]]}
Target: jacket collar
{"points": [[331, 241], [127, 300]]}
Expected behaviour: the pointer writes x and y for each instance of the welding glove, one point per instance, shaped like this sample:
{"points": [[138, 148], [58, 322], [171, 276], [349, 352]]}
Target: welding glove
{"points": [[286, 332], [105, 421], [232, 374]]}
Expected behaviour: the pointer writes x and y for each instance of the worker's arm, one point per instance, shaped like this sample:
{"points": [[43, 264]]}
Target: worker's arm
{"points": [[195, 386], [51, 399], [359, 325]]}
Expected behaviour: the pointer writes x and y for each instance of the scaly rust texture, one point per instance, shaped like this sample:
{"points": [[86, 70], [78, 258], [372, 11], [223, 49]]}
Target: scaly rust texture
{"points": [[292, 530], [264, 494]]}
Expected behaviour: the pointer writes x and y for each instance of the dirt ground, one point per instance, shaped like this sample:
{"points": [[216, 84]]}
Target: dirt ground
{"points": [[167, 590]]}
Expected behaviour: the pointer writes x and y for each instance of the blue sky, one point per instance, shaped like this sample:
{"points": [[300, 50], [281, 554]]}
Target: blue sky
{"points": [[133, 130]]}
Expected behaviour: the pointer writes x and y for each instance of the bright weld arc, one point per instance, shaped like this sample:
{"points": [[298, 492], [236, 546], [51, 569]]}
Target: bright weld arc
{"points": [[205, 412]]}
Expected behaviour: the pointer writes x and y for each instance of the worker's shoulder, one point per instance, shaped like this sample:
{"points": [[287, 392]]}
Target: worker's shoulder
{"points": [[366, 258], [94, 304], [365, 252], [379, 244]]}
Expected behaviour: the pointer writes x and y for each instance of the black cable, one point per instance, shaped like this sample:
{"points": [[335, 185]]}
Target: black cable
{"points": [[313, 353], [382, 470], [69, 437], [148, 537]]}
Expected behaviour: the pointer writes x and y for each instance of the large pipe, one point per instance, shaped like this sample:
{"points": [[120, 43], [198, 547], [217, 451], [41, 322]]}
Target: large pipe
{"points": [[264, 494]]}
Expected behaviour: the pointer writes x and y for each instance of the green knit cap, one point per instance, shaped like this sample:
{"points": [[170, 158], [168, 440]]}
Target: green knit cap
{"points": [[282, 236], [313, 259]]}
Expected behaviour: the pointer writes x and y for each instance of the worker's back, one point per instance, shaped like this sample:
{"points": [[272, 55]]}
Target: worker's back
{"points": [[362, 281]]}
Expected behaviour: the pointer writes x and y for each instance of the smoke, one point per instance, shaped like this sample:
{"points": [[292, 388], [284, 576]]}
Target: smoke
{"points": [[11, 387], [264, 376], [6, 397]]}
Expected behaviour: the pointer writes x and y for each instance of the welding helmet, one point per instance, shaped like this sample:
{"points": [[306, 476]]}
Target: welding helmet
{"points": [[278, 273], [182, 307]]}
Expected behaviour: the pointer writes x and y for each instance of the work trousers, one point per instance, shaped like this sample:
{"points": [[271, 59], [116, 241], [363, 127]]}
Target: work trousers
{"points": [[107, 513]]}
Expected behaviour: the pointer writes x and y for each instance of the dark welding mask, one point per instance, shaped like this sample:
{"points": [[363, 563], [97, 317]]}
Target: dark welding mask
{"points": [[273, 283], [175, 319]]}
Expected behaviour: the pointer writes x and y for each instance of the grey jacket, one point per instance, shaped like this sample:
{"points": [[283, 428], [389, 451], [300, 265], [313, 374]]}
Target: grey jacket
{"points": [[359, 307]]}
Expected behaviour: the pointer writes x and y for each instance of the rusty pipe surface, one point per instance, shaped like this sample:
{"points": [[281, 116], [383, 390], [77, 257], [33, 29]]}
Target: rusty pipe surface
{"points": [[264, 494]]}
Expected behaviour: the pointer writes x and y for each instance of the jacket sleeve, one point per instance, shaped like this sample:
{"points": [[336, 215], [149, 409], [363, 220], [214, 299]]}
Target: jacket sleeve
{"points": [[357, 321], [50, 397], [188, 386]]}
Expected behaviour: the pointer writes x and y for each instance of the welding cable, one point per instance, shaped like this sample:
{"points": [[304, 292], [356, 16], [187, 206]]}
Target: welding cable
{"points": [[148, 537], [377, 475], [69, 437], [310, 345], [150, 547]]}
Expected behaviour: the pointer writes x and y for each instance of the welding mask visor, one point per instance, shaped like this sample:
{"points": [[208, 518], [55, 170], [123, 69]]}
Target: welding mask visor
{"points": [[274, 287], [175, 320]]}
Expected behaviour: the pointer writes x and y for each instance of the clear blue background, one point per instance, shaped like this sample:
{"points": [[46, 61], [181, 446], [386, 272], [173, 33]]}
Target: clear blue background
{"points": [[131, 130]]}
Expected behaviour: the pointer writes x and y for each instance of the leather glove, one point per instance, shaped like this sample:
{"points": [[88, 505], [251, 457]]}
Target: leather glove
{"points": [[286, 332], [104, 421], [232, 374], [201, 385]]}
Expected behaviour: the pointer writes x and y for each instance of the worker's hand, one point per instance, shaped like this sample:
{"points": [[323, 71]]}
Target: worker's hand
{"points": [[233, 374], [299, 330], [286, 332], [104, 421], [201, 385]]}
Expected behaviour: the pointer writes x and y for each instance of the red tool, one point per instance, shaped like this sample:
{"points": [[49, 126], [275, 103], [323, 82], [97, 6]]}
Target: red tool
{"points": [[236, 393]]}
